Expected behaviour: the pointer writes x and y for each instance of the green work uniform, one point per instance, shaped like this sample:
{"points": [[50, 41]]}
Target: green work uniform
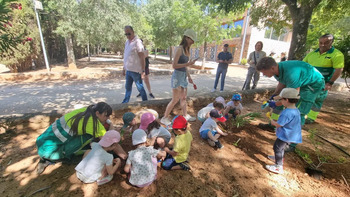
{"points": [[326, 63], [57, 142], [299, 74]]}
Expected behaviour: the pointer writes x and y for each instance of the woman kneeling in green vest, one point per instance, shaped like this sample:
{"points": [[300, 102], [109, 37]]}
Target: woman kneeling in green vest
{"points": [[68, 135]]}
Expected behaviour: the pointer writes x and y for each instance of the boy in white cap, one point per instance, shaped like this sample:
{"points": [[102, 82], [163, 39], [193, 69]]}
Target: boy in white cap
{"points": [[210, 130], [142, 162], [97, 165], [288, 127]]}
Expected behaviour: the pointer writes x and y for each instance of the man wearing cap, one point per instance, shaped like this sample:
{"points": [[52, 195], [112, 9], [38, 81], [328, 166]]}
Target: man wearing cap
{"points": [[224, 59], [295, 74], [330, 62], [253, 59], [134, 64]]}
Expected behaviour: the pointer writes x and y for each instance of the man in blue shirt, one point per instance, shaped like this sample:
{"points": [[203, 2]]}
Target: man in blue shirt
{"points": [[224, 58]]}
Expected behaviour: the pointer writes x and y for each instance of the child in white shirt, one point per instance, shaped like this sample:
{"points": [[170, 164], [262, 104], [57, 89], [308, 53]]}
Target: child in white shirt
{"points": [[234, 107], [142, 162], [97, 164], [210, 130]]}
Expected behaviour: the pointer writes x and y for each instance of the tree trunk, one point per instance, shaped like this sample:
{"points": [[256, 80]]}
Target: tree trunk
{"points": [[204, 54], [301, 17], [70, 52], [88, 50], [155, 53], [171, 53]]}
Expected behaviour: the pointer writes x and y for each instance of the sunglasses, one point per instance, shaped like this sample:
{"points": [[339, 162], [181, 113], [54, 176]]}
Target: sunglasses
{"points": [[128, 34]]}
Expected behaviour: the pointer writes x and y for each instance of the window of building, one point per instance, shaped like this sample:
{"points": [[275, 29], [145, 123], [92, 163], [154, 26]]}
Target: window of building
{"points": [[271, 33]]}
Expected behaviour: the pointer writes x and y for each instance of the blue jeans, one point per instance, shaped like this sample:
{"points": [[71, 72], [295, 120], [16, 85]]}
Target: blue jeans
{"points": [[130, 77], [220, 71]]}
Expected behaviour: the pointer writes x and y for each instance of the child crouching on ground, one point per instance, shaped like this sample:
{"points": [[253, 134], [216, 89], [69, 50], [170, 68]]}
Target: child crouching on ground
{"points": [[142, 162], [97, 164], [176, 159], [210, 130], [203, 114], [234, 107], [158, 135], [288, 128]]}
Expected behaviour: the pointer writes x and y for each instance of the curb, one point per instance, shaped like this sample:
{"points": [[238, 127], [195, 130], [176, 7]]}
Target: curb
{"points": [[247, 96]]}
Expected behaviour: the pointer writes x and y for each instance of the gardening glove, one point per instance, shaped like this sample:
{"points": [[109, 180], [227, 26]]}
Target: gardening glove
{"points": [[272, 104]]}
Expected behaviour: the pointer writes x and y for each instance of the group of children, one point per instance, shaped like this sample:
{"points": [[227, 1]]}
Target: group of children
{"points": [[151, 141]]}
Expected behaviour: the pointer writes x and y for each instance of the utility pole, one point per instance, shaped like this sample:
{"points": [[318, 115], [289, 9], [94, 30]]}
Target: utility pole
{"points": [[39, 6]]}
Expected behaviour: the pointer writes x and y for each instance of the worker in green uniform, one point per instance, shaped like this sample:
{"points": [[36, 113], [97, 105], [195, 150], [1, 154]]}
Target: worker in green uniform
{"points": [[295, 74], [330, 62]]}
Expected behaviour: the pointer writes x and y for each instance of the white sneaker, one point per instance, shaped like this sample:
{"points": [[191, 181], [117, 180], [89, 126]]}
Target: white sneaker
{"points": [[165, 121], [275, 168], [104, 180], [213, 90], [190, 118]]}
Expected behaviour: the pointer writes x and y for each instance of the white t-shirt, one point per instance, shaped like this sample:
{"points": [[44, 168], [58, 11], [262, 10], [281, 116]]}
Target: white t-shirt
{"points": [[143, 169], [161, 132], [210, 124], [204, 111], [132, 60], [232, 104], [91, 166]]}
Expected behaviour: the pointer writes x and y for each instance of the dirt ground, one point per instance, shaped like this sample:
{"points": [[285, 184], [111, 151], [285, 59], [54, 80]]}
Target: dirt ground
{"points": [[235, 170]]}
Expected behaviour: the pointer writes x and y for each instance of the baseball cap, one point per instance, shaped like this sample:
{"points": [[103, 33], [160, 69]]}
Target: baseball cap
{"points": [[236, 97], [220, 100], [215, 114], [139, 136], [225, 45], [110, 138], [127, 118], [289, 93], [179, 122], [146, 119], [191, 34]]}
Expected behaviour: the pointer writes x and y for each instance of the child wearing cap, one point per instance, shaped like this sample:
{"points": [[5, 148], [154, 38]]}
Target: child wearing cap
{"points": [[219, 100], [97, 164], [157, 134], [142, 162], [288, 128], [203, 114], [210, 130], [177, 157], [129, 123], [234, 107]]}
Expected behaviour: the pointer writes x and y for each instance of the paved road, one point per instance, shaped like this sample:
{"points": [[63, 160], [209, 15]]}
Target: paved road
{"points": [[43, 96], [22, 98]]}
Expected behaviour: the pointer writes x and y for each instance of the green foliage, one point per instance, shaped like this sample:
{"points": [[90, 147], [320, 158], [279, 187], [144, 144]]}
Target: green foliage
{"points": [[24, 27], [8, 38], [322, 158], [242, 120]]}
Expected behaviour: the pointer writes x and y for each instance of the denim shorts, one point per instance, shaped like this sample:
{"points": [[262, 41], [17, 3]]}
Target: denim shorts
{"points": [[179, 78], [204, 133]]}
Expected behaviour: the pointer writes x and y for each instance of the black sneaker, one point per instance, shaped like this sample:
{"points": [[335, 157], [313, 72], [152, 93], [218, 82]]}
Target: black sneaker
{"points": [[138, 95], [219, 145], [151, 95], [185, 166], [267, 127]]}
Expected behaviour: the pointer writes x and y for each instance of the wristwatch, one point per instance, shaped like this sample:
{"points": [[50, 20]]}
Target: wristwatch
{"points": [[330, 82]]}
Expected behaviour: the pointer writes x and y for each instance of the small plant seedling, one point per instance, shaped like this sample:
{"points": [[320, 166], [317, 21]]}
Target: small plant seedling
{"points": [[242, 120], [236, 143]]}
